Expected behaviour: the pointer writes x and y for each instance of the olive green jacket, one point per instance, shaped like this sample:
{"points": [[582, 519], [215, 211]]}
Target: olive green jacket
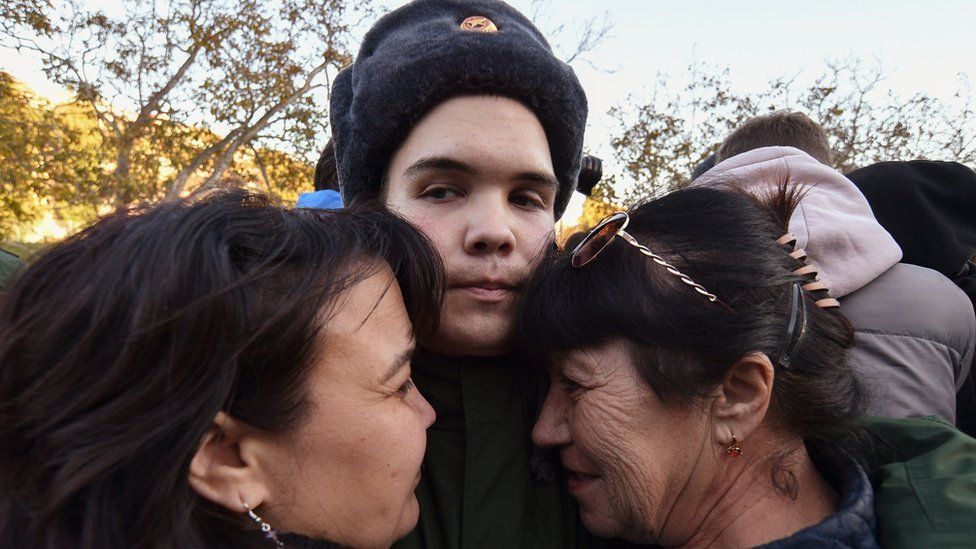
{"points": [[924, 478], [9, 264]]}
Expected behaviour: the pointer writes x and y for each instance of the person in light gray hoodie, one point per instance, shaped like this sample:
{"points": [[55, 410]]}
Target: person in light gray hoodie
{"points": [[914, 329]]}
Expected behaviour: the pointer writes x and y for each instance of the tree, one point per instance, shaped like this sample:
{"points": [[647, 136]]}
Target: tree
{"points": [[586, 35], [164, 78], [52, 158], [663, 138]]}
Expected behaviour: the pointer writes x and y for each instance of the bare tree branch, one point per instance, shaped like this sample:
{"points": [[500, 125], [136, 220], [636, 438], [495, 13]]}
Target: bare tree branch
{"points": [[662, 138], [587, 38]]}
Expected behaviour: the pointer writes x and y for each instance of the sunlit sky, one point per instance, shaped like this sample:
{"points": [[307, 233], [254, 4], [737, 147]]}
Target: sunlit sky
{"points": [[923, 46]]}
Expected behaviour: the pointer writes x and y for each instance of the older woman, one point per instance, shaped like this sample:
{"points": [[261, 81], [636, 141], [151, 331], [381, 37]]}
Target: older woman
{"points": [[218, 372], [700, 396]]}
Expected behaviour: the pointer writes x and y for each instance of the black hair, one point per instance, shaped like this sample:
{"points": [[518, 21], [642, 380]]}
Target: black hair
{"points": [[119, 346], [682, 343], [326, 171]]}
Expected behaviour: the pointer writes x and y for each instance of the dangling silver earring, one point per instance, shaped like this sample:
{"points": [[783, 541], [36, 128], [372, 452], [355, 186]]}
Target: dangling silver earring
{"points": [[267, 529]]}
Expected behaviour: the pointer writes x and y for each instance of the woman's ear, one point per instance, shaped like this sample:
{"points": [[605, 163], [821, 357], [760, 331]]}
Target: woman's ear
{"points": [[743, 398], [224, 468]]}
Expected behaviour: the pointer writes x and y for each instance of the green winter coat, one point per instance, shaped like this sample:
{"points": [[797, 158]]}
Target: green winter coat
{"points": [[9, 264], [924, 478]]}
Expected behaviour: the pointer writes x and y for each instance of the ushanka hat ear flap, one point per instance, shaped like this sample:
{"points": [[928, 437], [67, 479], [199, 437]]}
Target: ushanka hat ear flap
{"points": [[431, 50]]}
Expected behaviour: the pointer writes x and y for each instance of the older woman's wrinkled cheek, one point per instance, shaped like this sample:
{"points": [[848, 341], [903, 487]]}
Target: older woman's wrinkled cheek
{"points": [[609, 432], [644, 454]]}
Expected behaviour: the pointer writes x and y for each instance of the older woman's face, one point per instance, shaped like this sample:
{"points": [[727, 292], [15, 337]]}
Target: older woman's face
{"points": [[630, 460], [348, 473]]}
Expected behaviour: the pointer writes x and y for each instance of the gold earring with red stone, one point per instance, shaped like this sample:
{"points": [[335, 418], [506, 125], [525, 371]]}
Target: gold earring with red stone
{"points": [[733, 449]]}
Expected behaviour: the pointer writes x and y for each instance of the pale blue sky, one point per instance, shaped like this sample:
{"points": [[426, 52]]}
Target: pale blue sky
{"points": [[924, 46]]}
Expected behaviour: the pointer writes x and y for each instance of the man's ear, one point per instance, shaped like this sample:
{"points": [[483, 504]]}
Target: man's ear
{"points": [[743, 398], [224, 468]]}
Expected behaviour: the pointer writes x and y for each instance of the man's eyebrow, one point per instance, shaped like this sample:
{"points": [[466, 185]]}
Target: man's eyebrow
{"points": [[398, 364], [445, 163], [545, 179], [437, 163]]}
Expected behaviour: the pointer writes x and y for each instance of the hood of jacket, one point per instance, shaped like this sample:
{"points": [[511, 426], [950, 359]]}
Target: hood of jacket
{"points": [[833, 221]]}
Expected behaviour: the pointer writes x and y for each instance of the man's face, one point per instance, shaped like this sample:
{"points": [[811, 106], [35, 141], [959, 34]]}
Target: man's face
{"points": [[475, 175]]}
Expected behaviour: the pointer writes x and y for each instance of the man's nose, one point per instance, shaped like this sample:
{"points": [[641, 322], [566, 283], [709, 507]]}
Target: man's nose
{"points": [[490, 227]]}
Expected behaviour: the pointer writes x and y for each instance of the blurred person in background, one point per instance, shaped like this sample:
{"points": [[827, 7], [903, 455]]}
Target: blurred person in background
{"points": [[915, 331], [928, 207], [326, 194]]}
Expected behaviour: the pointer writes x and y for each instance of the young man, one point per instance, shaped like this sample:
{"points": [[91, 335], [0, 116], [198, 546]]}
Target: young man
{"points": [[459, 117]]}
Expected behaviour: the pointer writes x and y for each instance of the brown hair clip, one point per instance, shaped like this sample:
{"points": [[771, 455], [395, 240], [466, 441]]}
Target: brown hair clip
{"points": [[809, 272]]}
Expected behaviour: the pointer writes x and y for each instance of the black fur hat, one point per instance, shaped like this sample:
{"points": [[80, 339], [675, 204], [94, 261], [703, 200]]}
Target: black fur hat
{"points": [[431, 50]]}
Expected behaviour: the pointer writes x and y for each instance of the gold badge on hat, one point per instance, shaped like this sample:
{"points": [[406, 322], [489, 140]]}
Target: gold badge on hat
{"points": [[478, 23]]}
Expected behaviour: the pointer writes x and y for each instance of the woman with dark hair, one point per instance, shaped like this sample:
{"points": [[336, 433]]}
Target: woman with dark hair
{"points": [[700, 389], [217, 372]]}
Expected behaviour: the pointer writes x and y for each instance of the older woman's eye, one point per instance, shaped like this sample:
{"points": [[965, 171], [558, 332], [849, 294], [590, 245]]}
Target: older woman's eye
{"points": [[573, 389]]}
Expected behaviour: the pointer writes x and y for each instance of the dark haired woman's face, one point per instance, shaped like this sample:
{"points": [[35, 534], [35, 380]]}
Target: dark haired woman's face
{"points": [[348, 473], [633, 464]]}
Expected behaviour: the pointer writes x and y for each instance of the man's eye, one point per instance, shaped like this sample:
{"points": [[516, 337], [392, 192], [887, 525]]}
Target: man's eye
{"points": [[527, 200], [440, 193]]}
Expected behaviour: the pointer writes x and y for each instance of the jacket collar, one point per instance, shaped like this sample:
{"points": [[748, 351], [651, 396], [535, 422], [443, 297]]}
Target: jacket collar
{"points": [[853, 523]]}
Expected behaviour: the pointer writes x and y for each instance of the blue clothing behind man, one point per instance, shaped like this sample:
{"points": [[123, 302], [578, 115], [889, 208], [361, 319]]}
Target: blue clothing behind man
{"points": [[323, 200], [326, 194]]}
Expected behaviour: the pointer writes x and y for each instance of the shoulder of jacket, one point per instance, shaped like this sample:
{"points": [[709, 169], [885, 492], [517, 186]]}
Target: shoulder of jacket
{"points": [[913, 301]]}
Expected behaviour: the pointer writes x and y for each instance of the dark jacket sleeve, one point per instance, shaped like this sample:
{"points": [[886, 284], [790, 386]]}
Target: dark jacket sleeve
{"points": [[924, 475]]}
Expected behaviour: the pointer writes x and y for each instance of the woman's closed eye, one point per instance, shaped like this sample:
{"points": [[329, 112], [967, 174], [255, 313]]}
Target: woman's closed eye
{"points": [[404, 389], [572, 388]]}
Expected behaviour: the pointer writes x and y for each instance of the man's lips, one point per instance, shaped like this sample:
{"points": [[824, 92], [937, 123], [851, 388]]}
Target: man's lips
{"points": [[486, 283], [485, 289]]}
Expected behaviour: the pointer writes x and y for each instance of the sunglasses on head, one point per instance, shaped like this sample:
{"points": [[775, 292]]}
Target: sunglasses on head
{"points": [[610, 228]]}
